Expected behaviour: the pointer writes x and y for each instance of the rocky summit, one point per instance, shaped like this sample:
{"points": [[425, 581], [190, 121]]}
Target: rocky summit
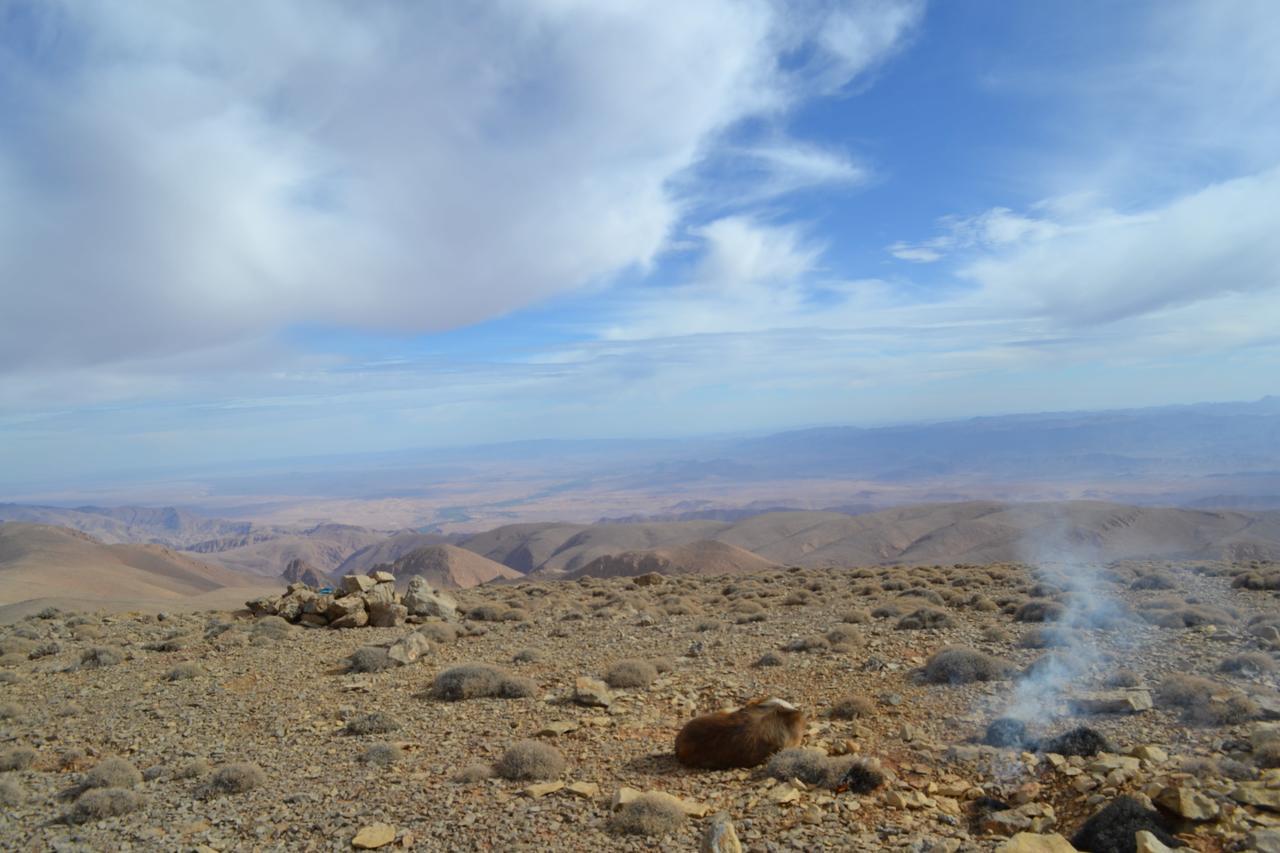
{"points": [[542, 715]]}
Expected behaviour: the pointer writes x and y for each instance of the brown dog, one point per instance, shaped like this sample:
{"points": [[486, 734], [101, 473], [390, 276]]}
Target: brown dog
{"points": [[742, 738]]}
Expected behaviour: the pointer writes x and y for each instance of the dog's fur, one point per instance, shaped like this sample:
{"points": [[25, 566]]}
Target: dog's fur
{"points": [[742, 738]]}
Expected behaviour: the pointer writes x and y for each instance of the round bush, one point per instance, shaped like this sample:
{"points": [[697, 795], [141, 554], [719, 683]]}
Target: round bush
{"points": [[382, 754], [475, 681], [101, 803], [852, 708], [369, 659], [234, 779], [961, 665], [112, 773], [651, 815], [631, 673], [530, 759], [372, 724]]}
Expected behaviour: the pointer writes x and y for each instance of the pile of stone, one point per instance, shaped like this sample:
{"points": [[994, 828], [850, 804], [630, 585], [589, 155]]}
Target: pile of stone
{"points": [[358, 601]]}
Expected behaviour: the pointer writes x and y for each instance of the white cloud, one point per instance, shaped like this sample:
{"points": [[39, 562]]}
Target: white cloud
{"points": [[1216, 241], [190, 175]]}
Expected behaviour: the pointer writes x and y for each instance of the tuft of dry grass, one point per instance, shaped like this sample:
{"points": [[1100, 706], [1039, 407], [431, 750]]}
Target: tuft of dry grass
{"points": [[476, 681], [112, 773], [529, 760], [233, 779], [100, 803], [649, 815], [631, 673], [962, 665]]}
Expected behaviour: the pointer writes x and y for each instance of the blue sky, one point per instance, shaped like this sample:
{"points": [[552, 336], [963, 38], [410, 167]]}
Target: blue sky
{"points": [[340, 227]]}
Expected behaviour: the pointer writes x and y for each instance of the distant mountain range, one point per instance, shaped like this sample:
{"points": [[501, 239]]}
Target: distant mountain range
{"points": [[1179, 482], [45, 561]]}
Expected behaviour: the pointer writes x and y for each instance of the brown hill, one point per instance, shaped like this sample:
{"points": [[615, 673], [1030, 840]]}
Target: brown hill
{"points": [[324, 547], [41, 561], [969, 531], [704, 557], [386, 550], [450, 567]]}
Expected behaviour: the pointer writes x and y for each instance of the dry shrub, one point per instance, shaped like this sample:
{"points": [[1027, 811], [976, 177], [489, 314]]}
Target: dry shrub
{"points": [[996, 634], [195, 769], [925, 617], [811, 766], [1230, 710], [1122, 678], [807, 644], [1181, 691], [96, 657], [472, 773], [528, 760], [1046, 638], [382, 754], [184, 671], [852, 708], [1190, 617], [112, 773], [1267, 755], [101, 803], [377, 723], [270, 629], [1153, 581], [649, 815], [486, 613], [475, 681], [233, 779], [439, 632], [857, 616], [926, 595], [1039, 611], [17, 758], [799, 598], [1204, 702], [9, 711], [11, 793], [528, 656], [962, 665], [1249, 664], [982, 604], [769, 659], [846, 637], [369, 659], [631, 673]]}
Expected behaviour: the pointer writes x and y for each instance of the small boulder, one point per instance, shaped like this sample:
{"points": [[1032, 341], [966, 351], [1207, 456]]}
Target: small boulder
{"points": [[592, 692], [385, 615], [1033, 842], [356, 584], [409, 648], [1112, 702], [720, 836], [373, 836], [422, 600]]}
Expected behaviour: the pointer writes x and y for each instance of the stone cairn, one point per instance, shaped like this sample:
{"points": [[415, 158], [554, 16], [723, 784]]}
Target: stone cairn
{"points": [[358, 601]]}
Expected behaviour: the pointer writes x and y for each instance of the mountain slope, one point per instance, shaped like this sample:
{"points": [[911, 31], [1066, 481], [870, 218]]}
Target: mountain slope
{"points": [[40, 561], [450, 567], [706, 557]]}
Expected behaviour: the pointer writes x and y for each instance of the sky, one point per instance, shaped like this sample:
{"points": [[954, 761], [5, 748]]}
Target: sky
{"points": [[309, 226]]}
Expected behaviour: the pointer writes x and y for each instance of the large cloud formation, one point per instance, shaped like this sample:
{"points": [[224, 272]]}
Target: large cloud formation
{"points": [[184, 175]]}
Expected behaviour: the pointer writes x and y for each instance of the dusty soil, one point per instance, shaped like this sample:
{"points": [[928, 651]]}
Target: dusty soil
{"points": [[281, 700]]}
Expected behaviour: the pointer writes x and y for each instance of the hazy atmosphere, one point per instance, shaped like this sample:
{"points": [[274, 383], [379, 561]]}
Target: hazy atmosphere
{"points": [[744, 426], [335, 227]]}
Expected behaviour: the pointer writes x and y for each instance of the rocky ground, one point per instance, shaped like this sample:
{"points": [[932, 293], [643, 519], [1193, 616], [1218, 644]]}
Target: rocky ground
{"points": [[188, 700]]}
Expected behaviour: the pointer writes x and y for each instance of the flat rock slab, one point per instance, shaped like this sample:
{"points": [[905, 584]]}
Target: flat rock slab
{"points": [[1112, 702]]}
